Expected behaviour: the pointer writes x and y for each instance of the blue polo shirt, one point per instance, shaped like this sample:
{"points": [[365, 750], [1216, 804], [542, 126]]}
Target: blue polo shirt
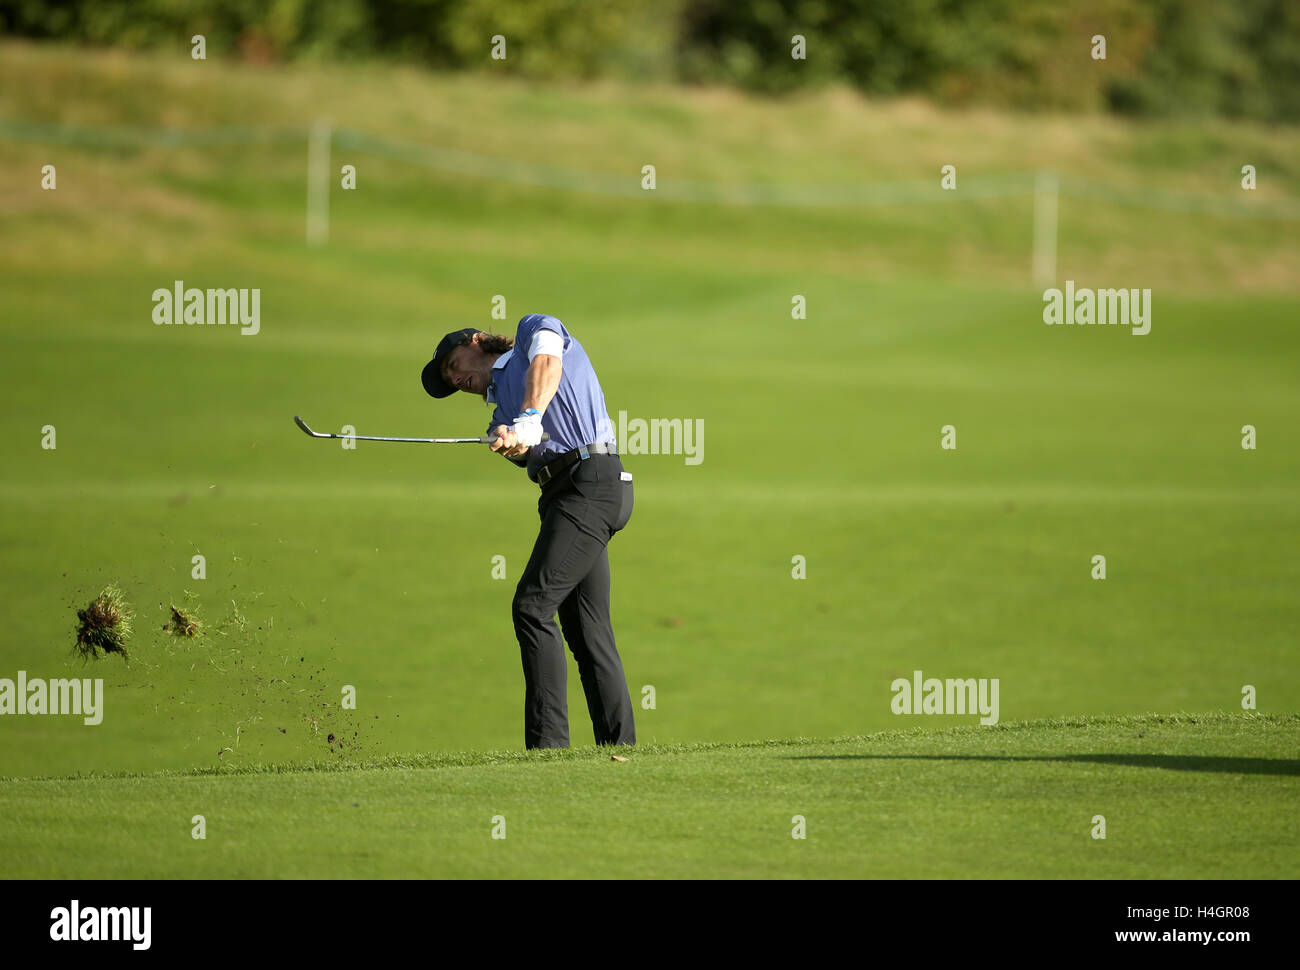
{"points": [[576, 415]]}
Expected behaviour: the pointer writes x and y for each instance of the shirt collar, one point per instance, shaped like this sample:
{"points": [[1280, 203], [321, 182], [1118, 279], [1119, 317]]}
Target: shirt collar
{"points": [[501, 362]]}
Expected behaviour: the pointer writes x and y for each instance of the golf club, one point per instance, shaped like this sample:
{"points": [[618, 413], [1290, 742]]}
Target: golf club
{"points": [[428, 441]]}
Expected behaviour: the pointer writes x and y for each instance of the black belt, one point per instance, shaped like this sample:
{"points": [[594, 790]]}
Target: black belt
{"points": [[552, 469]]}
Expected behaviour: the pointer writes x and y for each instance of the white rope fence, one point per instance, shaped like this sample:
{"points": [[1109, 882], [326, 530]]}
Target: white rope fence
{"points": [[1045, 187]]}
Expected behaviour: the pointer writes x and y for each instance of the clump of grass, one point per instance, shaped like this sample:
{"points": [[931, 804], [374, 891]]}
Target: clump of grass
{"points": [[183, 623], [184, 620], [104, 626]]}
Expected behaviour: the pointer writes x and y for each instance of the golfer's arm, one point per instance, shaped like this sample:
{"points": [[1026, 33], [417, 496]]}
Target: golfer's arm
{"points": [[541, 382]]}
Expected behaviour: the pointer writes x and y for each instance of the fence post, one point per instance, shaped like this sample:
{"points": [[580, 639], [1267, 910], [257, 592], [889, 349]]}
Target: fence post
{"points": [[318, 184], [1046, 195]]}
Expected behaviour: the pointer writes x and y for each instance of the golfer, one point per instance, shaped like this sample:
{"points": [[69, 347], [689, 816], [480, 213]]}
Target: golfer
{"points": [[541, 381]]}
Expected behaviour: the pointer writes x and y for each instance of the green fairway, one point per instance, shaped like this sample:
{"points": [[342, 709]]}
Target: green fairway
{"points": [[1011, 801], [373, 569]]}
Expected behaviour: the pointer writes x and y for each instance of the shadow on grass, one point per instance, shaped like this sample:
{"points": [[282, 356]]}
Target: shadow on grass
{"points": [[1170, 762]]}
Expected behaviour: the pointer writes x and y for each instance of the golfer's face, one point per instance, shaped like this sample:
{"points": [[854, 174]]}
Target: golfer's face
{"points": [[459, 370]]}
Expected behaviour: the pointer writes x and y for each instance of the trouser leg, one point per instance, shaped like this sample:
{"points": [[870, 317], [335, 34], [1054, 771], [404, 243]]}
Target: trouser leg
{"points": [[562, 556], [584, 617]]}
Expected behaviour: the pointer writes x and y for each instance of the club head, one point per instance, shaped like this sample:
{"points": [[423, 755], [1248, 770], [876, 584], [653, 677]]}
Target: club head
{"points": [[303, 424]]}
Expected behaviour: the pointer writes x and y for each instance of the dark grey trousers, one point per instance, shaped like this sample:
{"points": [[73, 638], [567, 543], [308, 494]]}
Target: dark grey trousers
{"points": [[568, 573]]}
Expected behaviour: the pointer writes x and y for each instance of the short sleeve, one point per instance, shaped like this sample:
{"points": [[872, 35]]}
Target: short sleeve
{"points": [[530, 324], [546, 342]]}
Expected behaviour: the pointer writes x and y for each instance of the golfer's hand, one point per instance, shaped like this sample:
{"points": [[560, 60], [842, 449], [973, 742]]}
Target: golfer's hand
{"points": [[507, 443], [528, 428]]}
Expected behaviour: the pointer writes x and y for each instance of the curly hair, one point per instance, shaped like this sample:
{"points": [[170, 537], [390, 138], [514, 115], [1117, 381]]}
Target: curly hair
{"points": [[492, 343], [495, 343]]}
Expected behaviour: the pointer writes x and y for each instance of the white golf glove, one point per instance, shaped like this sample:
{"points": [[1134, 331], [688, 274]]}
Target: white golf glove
{"points": [[528, 428]]}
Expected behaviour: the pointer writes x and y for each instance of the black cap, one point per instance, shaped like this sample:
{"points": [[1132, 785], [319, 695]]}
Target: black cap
{"points": [[431, 376]]}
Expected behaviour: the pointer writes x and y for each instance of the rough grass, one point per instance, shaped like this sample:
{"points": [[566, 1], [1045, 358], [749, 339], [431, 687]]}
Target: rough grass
{"points": [[830, 138]]}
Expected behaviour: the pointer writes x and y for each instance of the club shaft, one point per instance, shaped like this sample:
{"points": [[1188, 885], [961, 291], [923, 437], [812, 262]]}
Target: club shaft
{"points": [[427, 441]]}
